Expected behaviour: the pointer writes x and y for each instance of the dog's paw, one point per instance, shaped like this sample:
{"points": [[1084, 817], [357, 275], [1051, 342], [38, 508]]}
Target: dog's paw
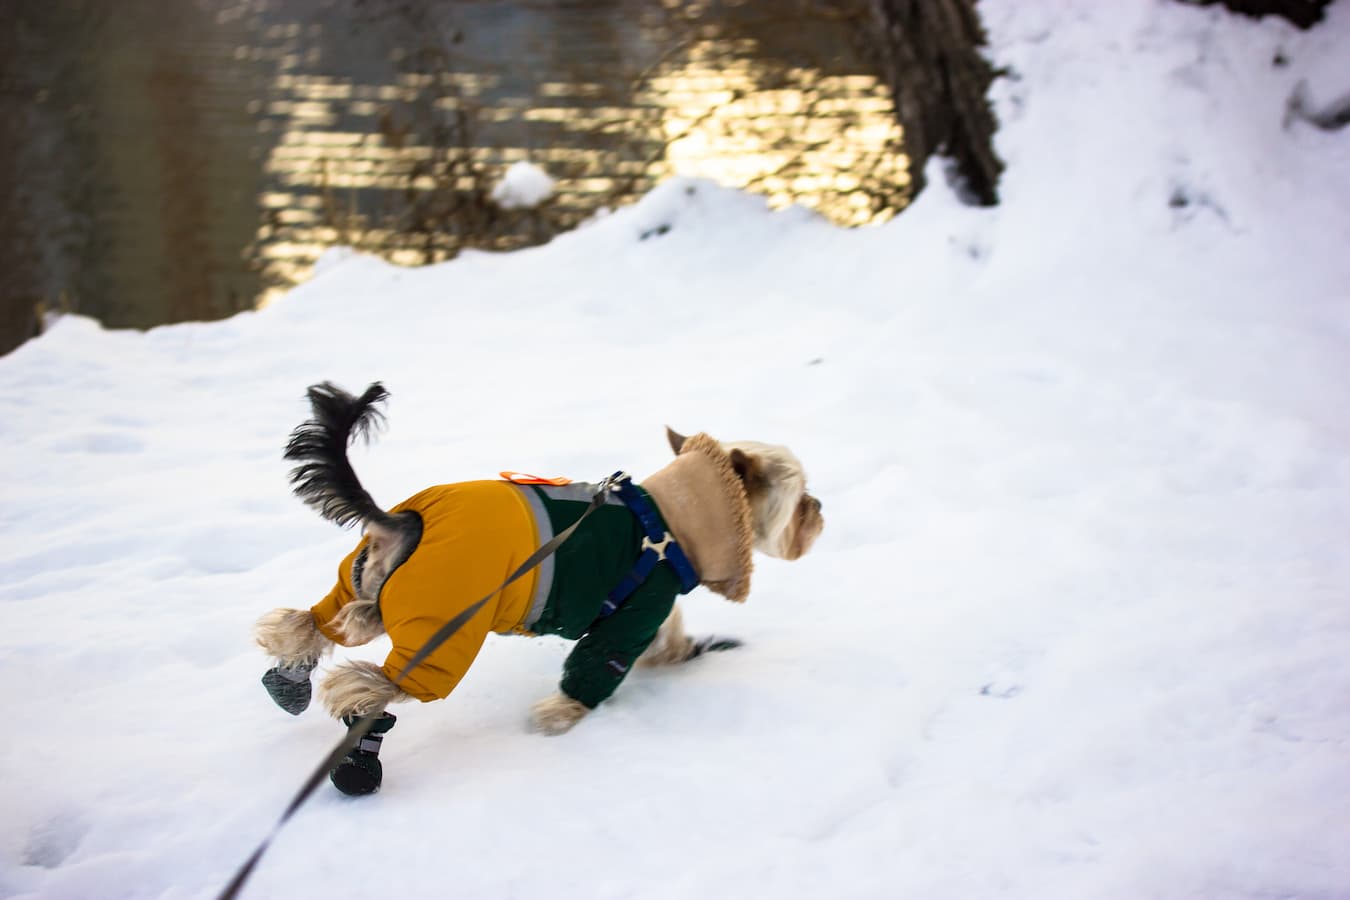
{"points": [[557, 714], [713, 644], [289, 687]]}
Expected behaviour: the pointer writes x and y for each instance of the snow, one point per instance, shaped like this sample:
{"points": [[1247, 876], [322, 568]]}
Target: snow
{"points": [[523, 186], [1077, 625]]}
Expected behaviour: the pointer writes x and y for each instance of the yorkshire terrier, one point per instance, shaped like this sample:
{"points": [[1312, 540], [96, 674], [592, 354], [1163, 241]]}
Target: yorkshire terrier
{"points": [[610, 585]]}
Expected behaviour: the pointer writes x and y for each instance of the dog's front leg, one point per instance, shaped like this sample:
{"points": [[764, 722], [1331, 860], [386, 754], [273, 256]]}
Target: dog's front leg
{"points": [[602, 659], [672, 645]]}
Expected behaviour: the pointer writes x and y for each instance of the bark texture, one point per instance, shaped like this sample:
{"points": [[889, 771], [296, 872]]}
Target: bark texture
{"points": [[930, 56]]}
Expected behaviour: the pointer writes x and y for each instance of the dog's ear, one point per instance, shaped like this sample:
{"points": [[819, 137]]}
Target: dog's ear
{"points": [[747, 467], [676, 439]]}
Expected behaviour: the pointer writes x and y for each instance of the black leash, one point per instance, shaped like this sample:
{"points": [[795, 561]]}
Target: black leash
{"points": [[361, 727]]}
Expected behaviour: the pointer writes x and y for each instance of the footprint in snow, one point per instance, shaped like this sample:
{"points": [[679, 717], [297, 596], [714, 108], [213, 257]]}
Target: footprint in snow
{"points": [[1000, 691], [52, 842]]}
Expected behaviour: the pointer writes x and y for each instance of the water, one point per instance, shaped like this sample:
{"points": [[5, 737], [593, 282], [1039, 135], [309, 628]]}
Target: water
{"points": [[186, 159]]}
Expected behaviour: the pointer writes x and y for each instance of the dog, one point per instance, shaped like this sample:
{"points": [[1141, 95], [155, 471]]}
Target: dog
{"points": [[426, 560]]}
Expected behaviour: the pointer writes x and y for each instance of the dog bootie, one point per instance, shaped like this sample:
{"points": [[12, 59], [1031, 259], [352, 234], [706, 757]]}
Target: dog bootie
{"points": [[289, 686], [713, 644], [360, 771]]}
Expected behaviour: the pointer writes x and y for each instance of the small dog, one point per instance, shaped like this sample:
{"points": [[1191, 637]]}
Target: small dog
{"points": [[427, 559]]}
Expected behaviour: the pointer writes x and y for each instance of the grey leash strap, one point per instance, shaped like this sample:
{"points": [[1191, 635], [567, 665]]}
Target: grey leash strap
{"points": [[361, 727]]}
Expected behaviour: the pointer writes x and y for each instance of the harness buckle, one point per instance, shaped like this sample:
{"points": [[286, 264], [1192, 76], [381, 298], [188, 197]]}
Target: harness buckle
{"points": [[649, 544]]}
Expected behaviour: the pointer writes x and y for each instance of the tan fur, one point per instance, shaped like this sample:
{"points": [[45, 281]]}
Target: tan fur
{"points": [[704, 501], [805, 527], [385, 548], [765, 487], [733, 498], [291, 636], [557, 714], [359, 621], [734, 488], [776, 486], [359, 688], [671, 646]]}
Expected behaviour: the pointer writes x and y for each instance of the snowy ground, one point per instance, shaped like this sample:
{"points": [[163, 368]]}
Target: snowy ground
{"points": [[1078, 625]]}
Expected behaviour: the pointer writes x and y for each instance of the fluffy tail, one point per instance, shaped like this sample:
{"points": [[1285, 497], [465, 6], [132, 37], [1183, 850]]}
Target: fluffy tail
{"points": [[325, 479]]}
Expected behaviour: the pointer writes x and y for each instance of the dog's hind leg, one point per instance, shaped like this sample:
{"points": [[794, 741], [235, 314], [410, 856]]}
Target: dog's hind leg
{"points": [[358, 622], [672, 645], [360, 771], [359, 688], [291, 636]]}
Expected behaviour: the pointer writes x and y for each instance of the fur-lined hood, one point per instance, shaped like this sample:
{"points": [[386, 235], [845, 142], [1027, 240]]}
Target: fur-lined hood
{"points": [[704, 501]]}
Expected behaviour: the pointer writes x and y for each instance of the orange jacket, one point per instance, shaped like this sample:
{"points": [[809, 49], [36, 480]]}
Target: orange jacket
{"points": [[474, 535]]}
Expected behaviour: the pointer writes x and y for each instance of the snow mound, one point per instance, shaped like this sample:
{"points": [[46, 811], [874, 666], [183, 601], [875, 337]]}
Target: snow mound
{"points": [[523, 186]]}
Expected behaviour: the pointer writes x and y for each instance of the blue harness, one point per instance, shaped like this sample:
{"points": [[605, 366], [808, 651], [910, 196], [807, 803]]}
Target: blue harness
{"points": [[658, 546]]}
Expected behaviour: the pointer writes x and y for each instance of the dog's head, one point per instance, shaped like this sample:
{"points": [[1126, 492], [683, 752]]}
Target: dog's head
{"points": [[786, 518]]}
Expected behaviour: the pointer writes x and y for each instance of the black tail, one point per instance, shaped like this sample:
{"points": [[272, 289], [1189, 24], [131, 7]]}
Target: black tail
{"points": [[325, 479]]}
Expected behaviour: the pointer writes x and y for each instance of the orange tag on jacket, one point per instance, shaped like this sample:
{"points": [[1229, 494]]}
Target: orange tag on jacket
{"points": [[522, 478]]}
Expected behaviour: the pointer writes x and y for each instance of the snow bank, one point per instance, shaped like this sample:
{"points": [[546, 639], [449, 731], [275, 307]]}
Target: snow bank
{"points": [[1076, 626]]}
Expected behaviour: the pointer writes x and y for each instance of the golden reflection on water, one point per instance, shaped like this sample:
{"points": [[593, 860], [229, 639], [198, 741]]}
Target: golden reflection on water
{"points": [[181, 159], [826, 141], [812, 145]]}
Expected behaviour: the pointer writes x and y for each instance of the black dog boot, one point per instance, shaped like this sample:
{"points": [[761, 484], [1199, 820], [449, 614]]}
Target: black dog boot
{"points": [[289, 686], [713, 644], [360, 771]]}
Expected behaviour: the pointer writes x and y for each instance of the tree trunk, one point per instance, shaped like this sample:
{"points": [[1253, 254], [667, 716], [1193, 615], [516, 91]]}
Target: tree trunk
{"points": [[931, 59], [20, 284], [929, 54]]}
